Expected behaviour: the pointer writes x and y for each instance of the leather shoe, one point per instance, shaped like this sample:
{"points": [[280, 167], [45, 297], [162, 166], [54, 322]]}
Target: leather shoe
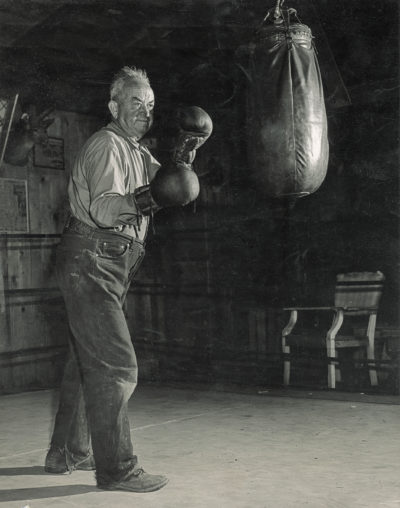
{"points": [[136, 481], [61, 461]]}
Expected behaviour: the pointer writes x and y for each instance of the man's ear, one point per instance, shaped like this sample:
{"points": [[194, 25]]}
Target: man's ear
{"points": [[113, 107]]}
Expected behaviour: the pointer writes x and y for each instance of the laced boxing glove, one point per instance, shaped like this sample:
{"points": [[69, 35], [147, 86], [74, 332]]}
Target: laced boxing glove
{"points": [[176, 184], [189, 128]]}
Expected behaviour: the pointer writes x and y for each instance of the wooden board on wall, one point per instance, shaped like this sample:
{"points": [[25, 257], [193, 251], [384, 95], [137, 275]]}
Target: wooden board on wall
{"points": [[74, 129], [14, 205], [33, 322], [32, 311], [37, 320], [47, 191]]}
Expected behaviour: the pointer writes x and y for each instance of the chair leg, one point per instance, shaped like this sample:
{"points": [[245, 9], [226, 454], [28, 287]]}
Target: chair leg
{"points": [[331, 354], [372, 371], [371, 350], [338, 372], [286, 366], [331, 376], [285, 348], [331, 349]]}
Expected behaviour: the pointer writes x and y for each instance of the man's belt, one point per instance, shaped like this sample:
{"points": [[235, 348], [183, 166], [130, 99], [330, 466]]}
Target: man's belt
{"points": [[74, 225]]}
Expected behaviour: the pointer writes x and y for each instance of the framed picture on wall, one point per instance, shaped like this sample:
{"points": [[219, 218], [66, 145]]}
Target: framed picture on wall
{"points": [[50, 154]]}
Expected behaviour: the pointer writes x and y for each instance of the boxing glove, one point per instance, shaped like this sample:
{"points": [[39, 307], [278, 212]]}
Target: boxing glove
{"points": [[189, 128], [176, 184]]}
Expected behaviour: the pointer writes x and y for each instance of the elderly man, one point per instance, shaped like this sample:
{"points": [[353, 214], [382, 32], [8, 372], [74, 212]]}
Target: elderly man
{"points": [[115, 186]]}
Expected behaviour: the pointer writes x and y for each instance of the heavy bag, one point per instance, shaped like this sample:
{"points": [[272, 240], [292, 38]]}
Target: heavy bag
{"points": [[287, 128]]}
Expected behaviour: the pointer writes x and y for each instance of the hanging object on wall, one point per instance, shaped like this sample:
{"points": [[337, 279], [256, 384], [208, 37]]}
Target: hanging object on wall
{"points": [[29, 129], [287, 127], [7, 110]]}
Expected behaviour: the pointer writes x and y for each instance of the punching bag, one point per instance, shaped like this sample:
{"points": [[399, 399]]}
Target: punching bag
{"points": [[287, 128]]}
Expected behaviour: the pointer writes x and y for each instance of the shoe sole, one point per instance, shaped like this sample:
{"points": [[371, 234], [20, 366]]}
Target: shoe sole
{"points": [[116, 486], [56, 471]]}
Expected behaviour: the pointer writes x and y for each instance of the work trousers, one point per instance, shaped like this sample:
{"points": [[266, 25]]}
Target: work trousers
{"points": [[94, 271]]}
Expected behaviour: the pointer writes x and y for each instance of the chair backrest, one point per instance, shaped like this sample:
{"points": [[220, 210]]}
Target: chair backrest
{"points": [[359, 290]]}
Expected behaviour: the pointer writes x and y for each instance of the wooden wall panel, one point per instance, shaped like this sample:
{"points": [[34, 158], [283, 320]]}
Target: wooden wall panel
{"points": [[31, 369], [37, 319], [30, 261], [183, 316], [33, 323], [74, 129], [47, 192], [194, 328]]}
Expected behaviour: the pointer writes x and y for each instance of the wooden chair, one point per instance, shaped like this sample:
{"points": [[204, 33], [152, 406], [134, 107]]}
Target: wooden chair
{"points": [[357, 297]]}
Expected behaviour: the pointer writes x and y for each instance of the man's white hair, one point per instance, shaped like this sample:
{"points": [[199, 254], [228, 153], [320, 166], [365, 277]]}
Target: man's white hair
{"points": [[124, 76]]}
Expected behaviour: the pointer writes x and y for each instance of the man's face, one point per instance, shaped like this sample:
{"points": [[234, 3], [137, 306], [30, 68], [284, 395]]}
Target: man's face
{"points": [[134, 109]]}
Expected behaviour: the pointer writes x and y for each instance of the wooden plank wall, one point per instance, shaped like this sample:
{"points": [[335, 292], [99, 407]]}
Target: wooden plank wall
{"points": [[33, 324], [186, 322]]}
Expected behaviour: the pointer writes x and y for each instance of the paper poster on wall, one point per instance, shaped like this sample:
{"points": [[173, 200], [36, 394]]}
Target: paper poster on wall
{"points": [[50, 154], [13, 206]]}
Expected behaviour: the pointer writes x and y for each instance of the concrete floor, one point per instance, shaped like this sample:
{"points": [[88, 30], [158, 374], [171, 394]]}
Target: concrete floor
{"points": [[219, 450]]}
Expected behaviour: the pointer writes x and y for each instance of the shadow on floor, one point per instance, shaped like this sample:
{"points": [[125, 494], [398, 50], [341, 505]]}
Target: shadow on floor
{"points": [[44, 492], [299, 392], [22, 471], [303, 393]]}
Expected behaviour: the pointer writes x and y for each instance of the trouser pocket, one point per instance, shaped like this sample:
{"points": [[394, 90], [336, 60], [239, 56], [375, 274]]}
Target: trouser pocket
{"points": [[113, 250], [137, 253]]}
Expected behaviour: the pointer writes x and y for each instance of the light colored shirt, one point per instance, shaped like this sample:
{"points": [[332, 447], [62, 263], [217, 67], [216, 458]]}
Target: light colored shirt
{"points": [[108, 169]]}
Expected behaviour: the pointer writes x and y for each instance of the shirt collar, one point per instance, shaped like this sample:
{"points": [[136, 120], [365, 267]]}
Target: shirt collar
{"points": [[113, 126]]}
